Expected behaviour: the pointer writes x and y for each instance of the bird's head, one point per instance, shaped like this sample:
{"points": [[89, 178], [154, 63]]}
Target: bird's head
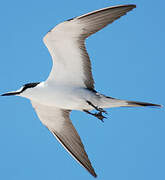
{"points": [[22, 89]]}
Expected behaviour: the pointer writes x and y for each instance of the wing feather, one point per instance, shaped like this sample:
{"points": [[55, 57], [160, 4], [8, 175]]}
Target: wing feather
{"points": [[58, 122], [65, 42], [96, 20]]}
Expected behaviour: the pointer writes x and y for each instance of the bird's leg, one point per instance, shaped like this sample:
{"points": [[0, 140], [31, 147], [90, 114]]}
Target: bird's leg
{"points": [[97, 108], [97, 115]]}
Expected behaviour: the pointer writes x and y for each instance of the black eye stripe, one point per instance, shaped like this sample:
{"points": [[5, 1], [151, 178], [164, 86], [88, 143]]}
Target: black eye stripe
{"points": [[29, 85]]}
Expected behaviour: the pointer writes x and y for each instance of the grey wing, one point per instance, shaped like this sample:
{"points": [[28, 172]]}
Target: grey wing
{"points": [[58, 122], [96, 20], [65, 42]]}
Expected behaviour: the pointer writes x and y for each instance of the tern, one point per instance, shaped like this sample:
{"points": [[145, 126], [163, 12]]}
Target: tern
{"points": [[70, 85]]}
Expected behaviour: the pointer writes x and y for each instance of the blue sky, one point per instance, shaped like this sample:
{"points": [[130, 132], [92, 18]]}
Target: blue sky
{"points": [[128, 62]]}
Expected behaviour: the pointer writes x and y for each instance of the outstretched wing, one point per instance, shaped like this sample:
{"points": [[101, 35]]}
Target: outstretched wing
{"points": [[65, 42], [58, 122]]}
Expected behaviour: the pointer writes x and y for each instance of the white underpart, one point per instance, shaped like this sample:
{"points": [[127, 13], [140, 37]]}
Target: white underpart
{"points": [[69, 97]]}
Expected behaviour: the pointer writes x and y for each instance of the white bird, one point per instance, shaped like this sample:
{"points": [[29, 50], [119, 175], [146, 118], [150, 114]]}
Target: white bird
{"points": [[70, 85]]}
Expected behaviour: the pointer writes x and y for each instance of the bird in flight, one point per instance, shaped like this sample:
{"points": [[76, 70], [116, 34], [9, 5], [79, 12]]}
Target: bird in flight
{"points": [[70, 85]]}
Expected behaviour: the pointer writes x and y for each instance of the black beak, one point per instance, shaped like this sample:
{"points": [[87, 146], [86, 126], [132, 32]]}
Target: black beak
{"points": [[10, 94]]}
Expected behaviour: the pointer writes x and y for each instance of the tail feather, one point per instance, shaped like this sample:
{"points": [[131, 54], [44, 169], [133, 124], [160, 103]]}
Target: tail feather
{"points": [[108, 102], [136, 103]]}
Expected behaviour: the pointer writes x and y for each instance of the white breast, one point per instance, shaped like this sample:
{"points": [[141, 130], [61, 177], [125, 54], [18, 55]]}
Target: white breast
{"points": [[61, 96]]}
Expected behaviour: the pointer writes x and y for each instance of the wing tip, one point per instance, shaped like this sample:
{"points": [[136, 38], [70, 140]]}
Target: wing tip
{"points": [[88, 166], [94, 175], [129, 6], [91, 171], [132, 6]]}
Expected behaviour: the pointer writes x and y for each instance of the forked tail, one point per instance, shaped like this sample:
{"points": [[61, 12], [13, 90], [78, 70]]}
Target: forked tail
{"points": [[108, 102], [137, 103]]}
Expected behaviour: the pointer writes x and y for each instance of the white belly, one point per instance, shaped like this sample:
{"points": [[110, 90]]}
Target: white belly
{"points": [[64, 97]]}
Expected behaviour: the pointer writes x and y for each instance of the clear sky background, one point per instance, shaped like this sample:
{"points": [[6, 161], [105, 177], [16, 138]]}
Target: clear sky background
{"points": [[128, 62]]}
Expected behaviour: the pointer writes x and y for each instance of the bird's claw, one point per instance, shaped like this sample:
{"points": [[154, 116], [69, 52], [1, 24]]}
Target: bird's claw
{"points": [[102, 110], [100, 116]]}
